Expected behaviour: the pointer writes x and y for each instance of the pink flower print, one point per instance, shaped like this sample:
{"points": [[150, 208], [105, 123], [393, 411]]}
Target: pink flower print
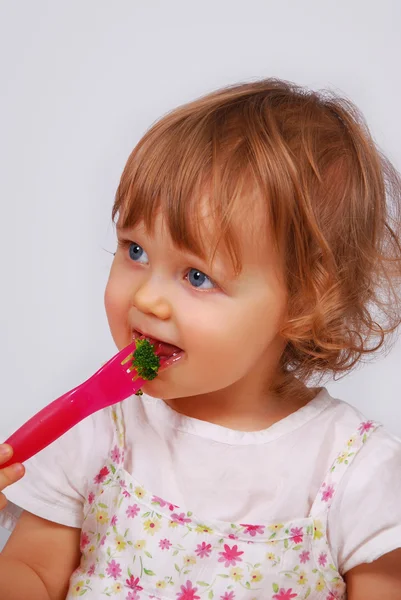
{"points": [[162, 503], [101, 476], [113, 569], [327, 493], [123, 485], [102, 541], [159, 501], [133, 584], [365, 427], [285, 595], [228, 596], [132, 596], [188, 592], [181, 519], [253, 529], [331, 596], [322, 560], [230, 555], [297, 535], [91, 570], [84, 540], [132, 511], [91, 498], [165, 544], [232, 536], [203, 550], [114, 520], [115, 454], [304, 557]]}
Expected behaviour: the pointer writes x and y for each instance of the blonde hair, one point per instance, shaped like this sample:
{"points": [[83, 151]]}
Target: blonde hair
{"points": [[333, 202]]}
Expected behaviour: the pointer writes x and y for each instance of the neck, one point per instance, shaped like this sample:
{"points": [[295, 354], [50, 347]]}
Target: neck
{"points": [[239, 407]]}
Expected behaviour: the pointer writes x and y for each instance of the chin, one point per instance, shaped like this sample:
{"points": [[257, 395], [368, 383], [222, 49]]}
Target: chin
{"points": [[159, 389]]}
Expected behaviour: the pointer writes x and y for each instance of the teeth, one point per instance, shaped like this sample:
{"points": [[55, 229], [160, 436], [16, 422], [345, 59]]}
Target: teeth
{"points": [[137, 335]]}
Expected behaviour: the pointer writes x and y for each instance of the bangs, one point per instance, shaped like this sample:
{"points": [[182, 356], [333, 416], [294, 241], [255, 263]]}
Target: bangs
{"points": [[194, 169]]}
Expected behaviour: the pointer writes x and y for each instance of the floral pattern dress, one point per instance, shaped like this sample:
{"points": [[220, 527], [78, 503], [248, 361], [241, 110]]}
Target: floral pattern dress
{"points": [[136, 545]]}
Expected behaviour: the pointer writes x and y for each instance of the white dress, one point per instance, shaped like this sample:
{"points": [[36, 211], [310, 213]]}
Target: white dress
{"points": [[173, 507]]}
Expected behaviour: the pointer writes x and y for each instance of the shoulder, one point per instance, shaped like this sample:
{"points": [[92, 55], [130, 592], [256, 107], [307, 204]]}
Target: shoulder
{"points": [[382, 449], [336, 422], [56, 479], [364, 521]]}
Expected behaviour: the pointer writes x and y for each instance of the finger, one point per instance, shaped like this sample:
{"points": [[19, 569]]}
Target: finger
{"points": [[6, 453], [10, 475], [3, 501]]}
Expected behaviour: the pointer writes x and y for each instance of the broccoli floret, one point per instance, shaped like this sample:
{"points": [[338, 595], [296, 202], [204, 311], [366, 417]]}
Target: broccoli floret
{"points": [[146, 362]]}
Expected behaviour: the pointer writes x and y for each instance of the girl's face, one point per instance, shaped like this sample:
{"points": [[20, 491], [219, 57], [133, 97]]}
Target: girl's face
{"points": [[228, 326]]}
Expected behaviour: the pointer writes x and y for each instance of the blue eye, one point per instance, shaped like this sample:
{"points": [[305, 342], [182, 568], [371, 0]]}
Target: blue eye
{"points": [[197, 279], [136, 252]]}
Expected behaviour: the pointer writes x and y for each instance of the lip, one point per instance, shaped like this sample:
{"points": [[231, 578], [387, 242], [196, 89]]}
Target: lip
{"points": [[152, 337], [170, 362]]}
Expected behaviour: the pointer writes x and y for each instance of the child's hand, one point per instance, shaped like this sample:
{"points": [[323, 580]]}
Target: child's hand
{"points": [[10, 474]]}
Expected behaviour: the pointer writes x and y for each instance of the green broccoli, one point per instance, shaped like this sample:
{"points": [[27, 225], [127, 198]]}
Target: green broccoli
{"points": [[146, 362]]}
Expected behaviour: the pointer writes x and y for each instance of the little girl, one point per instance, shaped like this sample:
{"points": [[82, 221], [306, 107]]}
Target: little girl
{"points": [[258, 232]]}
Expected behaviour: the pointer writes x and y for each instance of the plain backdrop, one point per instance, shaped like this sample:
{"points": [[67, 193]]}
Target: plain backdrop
{"points": [[81, 81]]}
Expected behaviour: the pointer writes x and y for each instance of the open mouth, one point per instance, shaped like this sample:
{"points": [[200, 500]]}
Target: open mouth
{"points": [[168, 353]]}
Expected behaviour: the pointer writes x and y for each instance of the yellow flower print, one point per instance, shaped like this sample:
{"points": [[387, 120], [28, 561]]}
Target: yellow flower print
{"points": [[272, 542], [270, 556], [189, 560], [317, 530], [102, 516], [203, 529], [114, 415], [140, 544], [343, 456], [76, 590], [139, 492], [302, 578], [337, 582], [117, 588], [161, 585], [351, 441], [320, 584], [173, 524], [120, 543], [236, 574], [91, 549], [256, 576], [276, 527], [151, 526]]}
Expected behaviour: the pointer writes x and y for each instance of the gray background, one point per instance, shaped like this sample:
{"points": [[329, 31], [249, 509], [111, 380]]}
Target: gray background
{"points": [[80, 83]]}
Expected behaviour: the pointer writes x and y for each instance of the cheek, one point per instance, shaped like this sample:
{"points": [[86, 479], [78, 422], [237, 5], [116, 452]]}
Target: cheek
{"points": [[109, 298], [235, 333], [214, 335], [116, 300]]}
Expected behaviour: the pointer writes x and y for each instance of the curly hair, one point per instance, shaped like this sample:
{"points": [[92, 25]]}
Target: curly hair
{"points": [[332, 198]]}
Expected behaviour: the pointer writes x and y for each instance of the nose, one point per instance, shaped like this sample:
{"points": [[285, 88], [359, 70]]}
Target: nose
{"points": [[150, 298]]}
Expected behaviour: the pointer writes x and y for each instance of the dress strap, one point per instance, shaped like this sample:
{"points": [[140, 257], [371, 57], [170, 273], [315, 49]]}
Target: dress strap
{"points": [[328, 489], [117, 451]]}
